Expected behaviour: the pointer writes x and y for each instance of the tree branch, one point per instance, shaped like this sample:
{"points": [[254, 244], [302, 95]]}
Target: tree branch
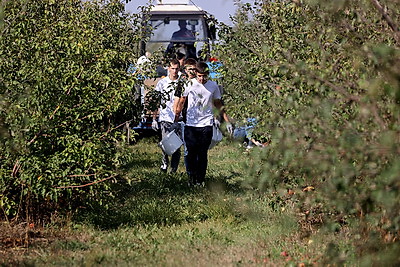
{"points": [[16, 168], [388, 19], [92, 183], [116, 127]]}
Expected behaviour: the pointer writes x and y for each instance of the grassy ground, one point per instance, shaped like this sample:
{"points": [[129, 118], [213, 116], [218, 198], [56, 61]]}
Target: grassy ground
{"points": [[158, 221]]}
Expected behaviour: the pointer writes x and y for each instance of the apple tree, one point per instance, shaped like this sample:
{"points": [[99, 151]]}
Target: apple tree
{"points": [[64, 94], [322, 78]]}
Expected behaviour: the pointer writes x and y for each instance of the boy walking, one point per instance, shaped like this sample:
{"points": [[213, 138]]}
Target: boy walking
{"points": [[202, 97], [166, 88]]}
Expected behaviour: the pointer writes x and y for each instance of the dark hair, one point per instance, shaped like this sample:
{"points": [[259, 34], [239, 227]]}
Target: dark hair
{"points": [[179, 55], [202, 68], [190, 61], [182, 22], [174, 61]]}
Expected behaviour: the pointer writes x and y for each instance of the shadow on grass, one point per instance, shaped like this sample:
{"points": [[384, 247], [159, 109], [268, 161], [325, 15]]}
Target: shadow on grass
{"points": [[144, 163], [153, 197], [160, 199], [229, 184]]}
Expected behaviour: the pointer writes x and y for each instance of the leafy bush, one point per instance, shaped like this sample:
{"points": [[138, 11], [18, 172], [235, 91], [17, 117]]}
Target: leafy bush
{"points": [[64, 90], [323, 81]]}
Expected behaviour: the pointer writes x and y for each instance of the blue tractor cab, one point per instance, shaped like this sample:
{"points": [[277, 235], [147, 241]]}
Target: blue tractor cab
{"points": [[175, 26]]}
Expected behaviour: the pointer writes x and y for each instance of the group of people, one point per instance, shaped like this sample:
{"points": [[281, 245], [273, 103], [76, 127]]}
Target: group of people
{"points": [[190, 103]]}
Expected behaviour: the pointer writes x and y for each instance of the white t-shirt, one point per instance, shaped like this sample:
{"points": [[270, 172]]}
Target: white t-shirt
{"points": [[142, 60], [200, 103], [166, 87]]}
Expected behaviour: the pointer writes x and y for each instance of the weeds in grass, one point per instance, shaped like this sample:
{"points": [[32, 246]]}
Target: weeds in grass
{"points": [[156, 219]]}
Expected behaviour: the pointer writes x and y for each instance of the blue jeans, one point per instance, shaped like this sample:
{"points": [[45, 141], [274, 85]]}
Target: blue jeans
{"points": [[197, 140]]}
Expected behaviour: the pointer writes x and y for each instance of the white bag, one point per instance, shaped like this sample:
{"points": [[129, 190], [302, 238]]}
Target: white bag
{"points": [[171, 143], [216, 137]]}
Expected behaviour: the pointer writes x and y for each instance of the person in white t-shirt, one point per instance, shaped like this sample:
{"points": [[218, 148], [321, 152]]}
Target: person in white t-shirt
{"points": [[188, 77], [166, 88], [203, 96]]}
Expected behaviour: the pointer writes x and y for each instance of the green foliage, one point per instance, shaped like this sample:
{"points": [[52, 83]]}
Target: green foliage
{"points": [[158, 220], [323, 80], [64, 90]]}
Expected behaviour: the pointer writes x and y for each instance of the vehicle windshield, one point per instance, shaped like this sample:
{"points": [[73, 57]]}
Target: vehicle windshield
{"points": [[176, 30]]}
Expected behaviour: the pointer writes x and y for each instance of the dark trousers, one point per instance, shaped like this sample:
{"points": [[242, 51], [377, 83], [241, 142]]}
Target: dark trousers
{"points": [[197, 139]]}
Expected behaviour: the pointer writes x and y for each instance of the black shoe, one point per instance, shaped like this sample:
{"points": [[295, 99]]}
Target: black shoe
{"points": [[191, 181]]}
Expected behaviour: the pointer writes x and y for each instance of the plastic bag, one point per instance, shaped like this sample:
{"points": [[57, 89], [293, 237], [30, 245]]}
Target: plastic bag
{"points": [[170, 143], [216, 137]]}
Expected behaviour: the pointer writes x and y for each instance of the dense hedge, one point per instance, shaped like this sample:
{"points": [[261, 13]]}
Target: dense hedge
{"points": [[323, 79], [64, 91]]}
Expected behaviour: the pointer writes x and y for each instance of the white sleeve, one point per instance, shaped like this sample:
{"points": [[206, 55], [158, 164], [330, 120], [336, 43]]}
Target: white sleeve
{"points": [[187, 87], [186, 92], [159, 86]]}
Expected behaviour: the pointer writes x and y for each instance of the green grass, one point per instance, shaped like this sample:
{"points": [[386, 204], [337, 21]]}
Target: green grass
{"points": [[156, 220]]}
